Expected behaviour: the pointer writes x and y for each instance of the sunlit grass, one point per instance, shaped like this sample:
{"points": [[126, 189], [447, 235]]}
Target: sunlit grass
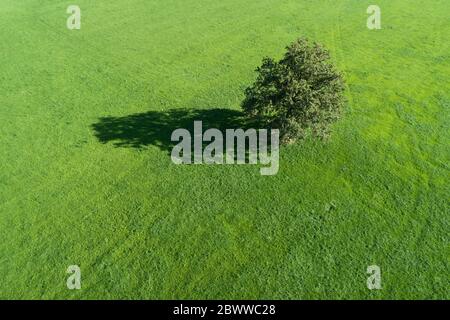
{"points": [[141, 227]]}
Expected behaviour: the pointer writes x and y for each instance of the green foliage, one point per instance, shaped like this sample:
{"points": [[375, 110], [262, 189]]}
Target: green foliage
{"points": [[141, 227], [301, 94]]}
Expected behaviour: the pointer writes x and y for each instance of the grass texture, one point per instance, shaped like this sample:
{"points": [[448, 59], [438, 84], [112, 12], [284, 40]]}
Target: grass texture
{"points": [[86, 178]]}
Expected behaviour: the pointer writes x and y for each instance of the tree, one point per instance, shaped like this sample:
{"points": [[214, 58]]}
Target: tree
{"points": [[301, 95]]}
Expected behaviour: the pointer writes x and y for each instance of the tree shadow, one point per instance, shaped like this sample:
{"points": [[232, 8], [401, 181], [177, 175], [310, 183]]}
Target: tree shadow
{"points": [[155, 128]]}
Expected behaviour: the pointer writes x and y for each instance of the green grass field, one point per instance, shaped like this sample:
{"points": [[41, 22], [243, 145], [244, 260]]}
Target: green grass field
{"points": [[86, 178]]}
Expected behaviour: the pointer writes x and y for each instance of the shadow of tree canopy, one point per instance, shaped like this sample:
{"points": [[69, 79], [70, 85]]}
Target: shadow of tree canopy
{"points": [[155, 128]]}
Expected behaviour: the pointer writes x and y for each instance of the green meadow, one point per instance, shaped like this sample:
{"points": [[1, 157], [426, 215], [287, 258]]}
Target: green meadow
{"points": [[86, 176]]}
